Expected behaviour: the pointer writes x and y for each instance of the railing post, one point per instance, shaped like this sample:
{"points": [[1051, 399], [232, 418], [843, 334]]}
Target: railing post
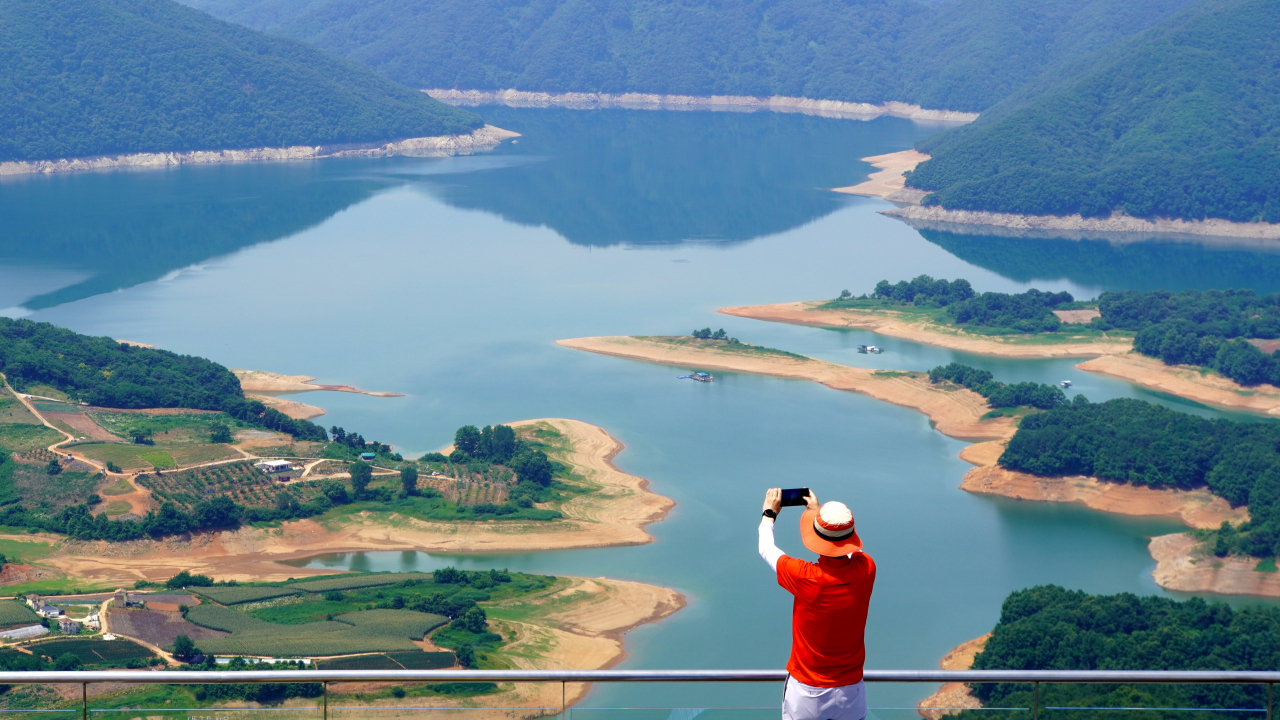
{"points": [[324, 701], [1271, 692], [564, 711], [1035, 702], [84, 702]]}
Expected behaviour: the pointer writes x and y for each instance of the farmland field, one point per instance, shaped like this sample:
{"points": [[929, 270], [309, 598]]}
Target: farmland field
{"points": [[93, 651], [156, 627], [391, 661], [235, 594], [21, 437], [158, 459], [239, 481], [14, 612], [250, 636], [393, 623]]}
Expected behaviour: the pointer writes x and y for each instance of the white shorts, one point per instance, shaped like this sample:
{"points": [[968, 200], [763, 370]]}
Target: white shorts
{"points": [[802, 702]]}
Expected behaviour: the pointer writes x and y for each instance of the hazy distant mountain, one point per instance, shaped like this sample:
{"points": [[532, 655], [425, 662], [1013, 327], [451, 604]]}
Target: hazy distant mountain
{"points": [[89, 77], [959, 55], [1180, 121]]}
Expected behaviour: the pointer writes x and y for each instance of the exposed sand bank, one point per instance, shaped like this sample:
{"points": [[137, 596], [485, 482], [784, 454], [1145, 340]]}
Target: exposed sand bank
{"points": [[954, 697], [259, 381], [484, 138], [1183, 565], [1187, 381], [954, 412], [292, 408], [896, 324], [889, 182], [1116, 223], [613, 515], [741, 103], [1194, 508]]}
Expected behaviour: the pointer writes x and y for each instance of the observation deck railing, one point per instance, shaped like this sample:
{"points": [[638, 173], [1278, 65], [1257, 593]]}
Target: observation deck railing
{"points": [[1036, 678]]}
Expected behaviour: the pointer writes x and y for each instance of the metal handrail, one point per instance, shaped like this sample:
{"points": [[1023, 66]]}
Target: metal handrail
{"points": [[187, 677]]}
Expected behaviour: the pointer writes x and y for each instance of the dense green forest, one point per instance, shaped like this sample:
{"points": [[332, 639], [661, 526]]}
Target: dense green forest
{"points": [[1133, 441], [100, 371], [90, 77], [1180, 121], [1196, 327], [1051, 628], [1027, 312], [960, 55], [998, 394]]}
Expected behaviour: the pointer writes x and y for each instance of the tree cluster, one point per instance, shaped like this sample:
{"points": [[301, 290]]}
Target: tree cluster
{"points": [[1127, 440], [1051, 628], [498, 445], [1197, 327], [706, 334], [100, 371], [998, 394], [356, 442], [1028, 312]]}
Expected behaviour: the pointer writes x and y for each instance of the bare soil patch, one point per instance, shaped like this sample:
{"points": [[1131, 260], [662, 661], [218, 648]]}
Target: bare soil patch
{"points": [[1187, 381], [889, 179], [156, 627], [1082, 317], [82, 426], [16, 574], [292, 408], [1183, 564], [259, 381], [954, 697]]}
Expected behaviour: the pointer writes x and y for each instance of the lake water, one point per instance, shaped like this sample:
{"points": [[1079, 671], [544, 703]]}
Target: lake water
{"points": [[450, 279]]}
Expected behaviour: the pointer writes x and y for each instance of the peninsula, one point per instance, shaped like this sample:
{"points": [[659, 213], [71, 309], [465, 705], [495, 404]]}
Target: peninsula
{"points": [[957, 413]]}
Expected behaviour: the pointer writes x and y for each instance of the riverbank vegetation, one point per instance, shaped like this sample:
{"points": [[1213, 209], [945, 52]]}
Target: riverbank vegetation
{"points": [[1178, 122], [182, 80], [955, 302], [1051, 628], [999, 395], [1137, 442]]}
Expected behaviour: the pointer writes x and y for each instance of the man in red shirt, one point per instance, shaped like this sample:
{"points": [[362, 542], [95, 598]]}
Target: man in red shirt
{"points": [[829, 615]]}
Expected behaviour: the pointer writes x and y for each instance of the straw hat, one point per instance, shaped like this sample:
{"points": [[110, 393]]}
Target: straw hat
{"points": [[829, 530]]}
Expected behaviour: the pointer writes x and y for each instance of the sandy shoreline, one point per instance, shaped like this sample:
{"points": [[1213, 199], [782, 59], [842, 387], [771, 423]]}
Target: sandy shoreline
{"points": [[741, 103], [953, 697], [1116, 223], [956, 413], [484, 138], [893, 324], [613, 515], [1183, 565], [1187, 381], [260, 381], [889, 183]]}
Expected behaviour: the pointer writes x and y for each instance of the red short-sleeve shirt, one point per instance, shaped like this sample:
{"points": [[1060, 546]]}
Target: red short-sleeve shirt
{"points": [[828, 617]]}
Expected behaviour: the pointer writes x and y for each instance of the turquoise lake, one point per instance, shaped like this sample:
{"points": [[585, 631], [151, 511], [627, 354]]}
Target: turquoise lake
{"points": [[450, 279]]}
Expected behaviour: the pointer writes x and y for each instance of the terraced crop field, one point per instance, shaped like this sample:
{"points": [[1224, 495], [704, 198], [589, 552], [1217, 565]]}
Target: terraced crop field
{"points": [[391, 661], [250, 636], [234, 595], [93, 651], [14, 612], [393, 623], [239, 481]]}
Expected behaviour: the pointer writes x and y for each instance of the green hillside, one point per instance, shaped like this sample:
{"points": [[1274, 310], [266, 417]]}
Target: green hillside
{"points": [[1180, 121], [89, 77], [961, 55]]}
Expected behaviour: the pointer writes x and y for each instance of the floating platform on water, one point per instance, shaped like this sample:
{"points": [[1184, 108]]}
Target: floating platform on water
{"points": [[873, 349], [699, 377]]}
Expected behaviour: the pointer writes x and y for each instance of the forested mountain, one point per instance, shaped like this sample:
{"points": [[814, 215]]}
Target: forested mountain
{"points": [[960, 55], [89, 77], [1181, 121]]}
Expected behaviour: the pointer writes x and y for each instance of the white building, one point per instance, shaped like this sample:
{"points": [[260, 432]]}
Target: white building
{"points": [[274, 466]]}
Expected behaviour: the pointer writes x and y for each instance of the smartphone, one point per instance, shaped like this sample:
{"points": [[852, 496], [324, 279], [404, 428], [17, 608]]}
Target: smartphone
{"points": [[795, 497]]}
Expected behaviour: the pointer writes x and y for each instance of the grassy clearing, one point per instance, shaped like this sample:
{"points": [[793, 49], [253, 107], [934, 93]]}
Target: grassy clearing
{"points": [[720, 346], [47, 391], [14, 412], [58, 586], [31, 485], [251, 636], [118, 507], [177, 429], [159, 459], [127, 457], [22, 437], [21, 551], [897, 374], [120, 487]]}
